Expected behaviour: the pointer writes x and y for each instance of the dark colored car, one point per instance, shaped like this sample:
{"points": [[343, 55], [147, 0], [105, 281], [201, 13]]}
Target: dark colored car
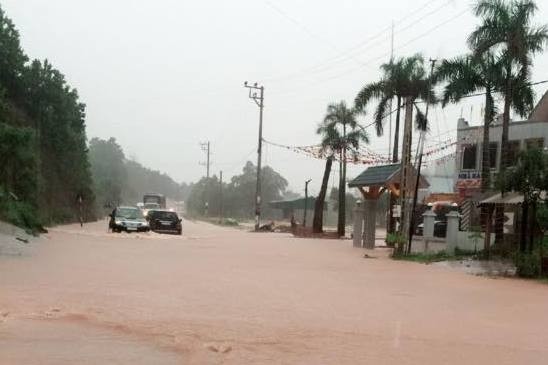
{"points": [[128, 219], [165, 221], [440, 229]]}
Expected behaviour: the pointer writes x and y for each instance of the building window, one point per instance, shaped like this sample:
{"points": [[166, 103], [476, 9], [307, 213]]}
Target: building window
{"points": [[493, 147], [469, 157], [534, 143], [513, 151]]}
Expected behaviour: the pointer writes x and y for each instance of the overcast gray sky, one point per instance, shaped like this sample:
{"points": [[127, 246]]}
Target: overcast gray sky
{"points": [[161, 76]]}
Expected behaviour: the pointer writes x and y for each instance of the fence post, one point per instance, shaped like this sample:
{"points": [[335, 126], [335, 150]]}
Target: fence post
{"points": [[452, 231], [358, 224], [370, 220]]}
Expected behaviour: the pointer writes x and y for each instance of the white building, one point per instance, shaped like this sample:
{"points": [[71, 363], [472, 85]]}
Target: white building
{"points": [[532, 132]]}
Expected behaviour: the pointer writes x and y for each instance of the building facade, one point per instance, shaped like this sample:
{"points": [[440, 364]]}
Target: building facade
{"points": [[522, 135]]}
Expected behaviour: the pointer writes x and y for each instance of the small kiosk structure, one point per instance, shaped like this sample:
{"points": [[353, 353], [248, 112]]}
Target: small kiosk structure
{"points": [[372, 183]]}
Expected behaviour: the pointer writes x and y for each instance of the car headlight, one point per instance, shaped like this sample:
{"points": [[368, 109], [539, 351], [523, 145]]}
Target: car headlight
{"points": [[118, 223]]}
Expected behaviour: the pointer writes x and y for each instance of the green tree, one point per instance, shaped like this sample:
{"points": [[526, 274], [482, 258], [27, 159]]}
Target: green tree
{"points": [[529, 176], [341, 132], [468, 74], [507, 30], [37, 96], [108, 171], [238, 194], [396, 82]]}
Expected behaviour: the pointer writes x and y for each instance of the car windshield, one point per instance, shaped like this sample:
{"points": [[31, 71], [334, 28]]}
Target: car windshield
{"points": [[152, 205], [165, 215], [129, 213]]}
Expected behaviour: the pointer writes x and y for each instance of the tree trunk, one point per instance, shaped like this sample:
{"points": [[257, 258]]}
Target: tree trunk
{"points": [[524, 221], [504, 157], [317, 223], [485, 161], [342, 219]]}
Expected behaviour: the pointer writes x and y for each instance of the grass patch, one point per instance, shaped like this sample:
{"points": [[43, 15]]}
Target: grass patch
{"points": [[427, 258]]}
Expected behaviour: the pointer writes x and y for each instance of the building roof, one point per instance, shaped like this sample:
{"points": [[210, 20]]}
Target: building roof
{"points": [[540, 113], [294, 204], [375, 175], [382, 176]]}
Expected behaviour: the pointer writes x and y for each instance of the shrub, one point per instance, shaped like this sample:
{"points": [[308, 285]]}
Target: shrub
{"points": [[19, 213], [230, 222], [528, 265]]}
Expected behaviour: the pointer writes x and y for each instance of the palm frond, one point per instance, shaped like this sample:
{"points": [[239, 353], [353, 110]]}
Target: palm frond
{"points": [[375, 90], [421, 123]]}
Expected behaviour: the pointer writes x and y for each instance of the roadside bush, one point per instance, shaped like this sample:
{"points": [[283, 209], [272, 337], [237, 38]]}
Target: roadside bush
{"points": [[528, 265], [395, 239], [19, 213], [230, 222]]}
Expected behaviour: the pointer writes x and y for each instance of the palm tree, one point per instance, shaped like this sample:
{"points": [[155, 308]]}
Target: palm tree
{"points": [[469, 74], [403, 78], [506, 29], [340, 133], [393, 84]]}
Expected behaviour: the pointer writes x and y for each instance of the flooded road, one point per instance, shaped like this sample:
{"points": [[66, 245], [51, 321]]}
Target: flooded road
{"points": [[223, 296]]}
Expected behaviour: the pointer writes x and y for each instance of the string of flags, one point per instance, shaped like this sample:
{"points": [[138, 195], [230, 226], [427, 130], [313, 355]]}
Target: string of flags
{"points": [[365, 156]]}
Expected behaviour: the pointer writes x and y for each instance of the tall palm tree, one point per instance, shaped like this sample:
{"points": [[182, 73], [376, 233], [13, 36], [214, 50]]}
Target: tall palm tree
{"points": [[506, 29], [468, 74], [341, 134], [393, 84], [404, 77]]}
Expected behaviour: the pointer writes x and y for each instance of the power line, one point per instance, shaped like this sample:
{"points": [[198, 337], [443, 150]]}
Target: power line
{"points": [[348, 54], [370, 61]]}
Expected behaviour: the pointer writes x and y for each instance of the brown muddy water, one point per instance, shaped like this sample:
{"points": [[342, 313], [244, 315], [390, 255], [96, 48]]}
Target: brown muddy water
{"points": [[223, 296]]}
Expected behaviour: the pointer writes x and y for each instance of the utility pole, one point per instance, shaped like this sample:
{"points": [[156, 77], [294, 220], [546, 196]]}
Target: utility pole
{"points": [[305, 200], [419, 158], [391, 99], [206, 147], [221, 197], [405, 169], [259, 100]]}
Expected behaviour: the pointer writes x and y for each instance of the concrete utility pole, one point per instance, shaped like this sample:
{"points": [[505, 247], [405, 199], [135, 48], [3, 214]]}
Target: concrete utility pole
{"points": [[206, 148], [259, 100], [305, 200], [405, 170], [419, 161], [221, 197]]}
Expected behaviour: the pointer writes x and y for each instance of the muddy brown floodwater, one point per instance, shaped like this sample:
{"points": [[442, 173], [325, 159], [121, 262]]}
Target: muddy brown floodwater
{"points": [[223, 296]]}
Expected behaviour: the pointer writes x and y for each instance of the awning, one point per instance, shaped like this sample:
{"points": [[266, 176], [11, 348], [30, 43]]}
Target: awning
{"points": [[510, 198], [506, 199]]}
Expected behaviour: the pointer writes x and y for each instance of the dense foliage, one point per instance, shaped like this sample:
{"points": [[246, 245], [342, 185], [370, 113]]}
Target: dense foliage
{"points": [[238, 194], [43, 140], [118, 180]]}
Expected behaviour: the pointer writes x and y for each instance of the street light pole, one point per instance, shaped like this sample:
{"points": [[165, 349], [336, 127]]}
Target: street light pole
{"points": [[305, 200], [259, 100]]}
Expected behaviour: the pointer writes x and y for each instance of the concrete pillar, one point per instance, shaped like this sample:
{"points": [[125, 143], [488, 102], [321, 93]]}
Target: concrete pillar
{"points": [[428, 220], [452, 231], [370, 207], [358, 224], [429, 217]]}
